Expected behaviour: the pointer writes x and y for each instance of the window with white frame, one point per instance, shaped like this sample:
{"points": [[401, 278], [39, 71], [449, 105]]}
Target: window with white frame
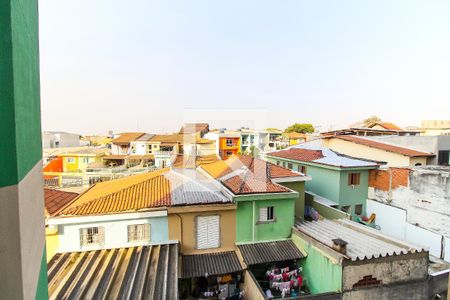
{"points": [[138, 233], [92, 236], [208, 232], [266, 214], [85, 160], [70, 160]]}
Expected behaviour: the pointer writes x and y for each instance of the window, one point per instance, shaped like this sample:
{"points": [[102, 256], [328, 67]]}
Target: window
{"points": [[444, 158], [290, 166], [302, 169], [70, 160], [85, 160], [138, 233], [155, 146], [230, 143], [228, 153], [358, 209], [278, 162], [284, 164], [208, 232], [353, 178], [92, 236], [266, 214]]}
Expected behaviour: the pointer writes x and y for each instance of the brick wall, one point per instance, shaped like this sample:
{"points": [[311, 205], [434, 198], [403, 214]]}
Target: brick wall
{"points": [[379, 179]]}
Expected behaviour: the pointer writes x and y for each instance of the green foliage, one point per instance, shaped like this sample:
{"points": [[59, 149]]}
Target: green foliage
{"points": [[300, 128], [371, 120]]}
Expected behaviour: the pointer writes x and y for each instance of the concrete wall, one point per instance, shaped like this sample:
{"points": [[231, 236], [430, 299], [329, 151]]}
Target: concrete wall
{"points": [[182, 226], [252, 290], [116, 233], [247, 216], [411, 291], [418, 212], [389, 270]]}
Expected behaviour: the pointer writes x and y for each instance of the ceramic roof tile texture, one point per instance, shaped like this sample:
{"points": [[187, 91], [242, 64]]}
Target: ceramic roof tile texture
{"points": [[298, 154], [167, 138], [250, 184], [383, 146], [362, 242], [220, 263], [146, 272], [221, 168], [192, 162], [190, 128], [127, 137], [386, 125], [161, 189], [55, 200]]}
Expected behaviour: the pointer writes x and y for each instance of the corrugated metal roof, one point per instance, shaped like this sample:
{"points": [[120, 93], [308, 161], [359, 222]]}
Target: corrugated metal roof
{"points": [[363, 242], [266, 252], [149, 272], [197, 265], [188, 190], [144, 138]]}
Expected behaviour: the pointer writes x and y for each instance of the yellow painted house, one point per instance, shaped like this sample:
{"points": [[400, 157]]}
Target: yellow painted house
{"points": [[78, 161]]}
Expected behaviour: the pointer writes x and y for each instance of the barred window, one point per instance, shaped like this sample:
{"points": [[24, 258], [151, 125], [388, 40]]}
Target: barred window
{"points": [[138, 233], [92, 236]]}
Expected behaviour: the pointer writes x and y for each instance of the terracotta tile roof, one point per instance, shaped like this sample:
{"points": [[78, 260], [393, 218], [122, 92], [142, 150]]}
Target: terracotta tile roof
{"points": [[383, 146], [224, 167], [298, 154], [114, 156], [386, 125], [55, 200], [296, 135], [192, 162], [167, 138], [252, 184], [247, 175], [190, 128], [161, 188], [127, 137]]}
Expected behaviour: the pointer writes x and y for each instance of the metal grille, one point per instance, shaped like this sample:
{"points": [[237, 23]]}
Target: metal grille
{"points": [[92, 236], [138, 232]]}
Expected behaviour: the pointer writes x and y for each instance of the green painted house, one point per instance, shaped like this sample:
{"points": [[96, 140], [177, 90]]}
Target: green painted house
{"points": [[267, 196], [342, 179]]}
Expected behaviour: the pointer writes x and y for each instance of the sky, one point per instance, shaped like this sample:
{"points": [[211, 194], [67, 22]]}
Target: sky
{"points": [[152, 65]]}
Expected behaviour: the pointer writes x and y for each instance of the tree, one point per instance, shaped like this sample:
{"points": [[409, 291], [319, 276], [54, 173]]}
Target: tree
{"points": [[371, 120], [300, 128]]}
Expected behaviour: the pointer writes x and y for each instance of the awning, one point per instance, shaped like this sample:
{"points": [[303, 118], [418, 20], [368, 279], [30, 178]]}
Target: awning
{"points": [[147, 272], [266, 252], [198, 265]]}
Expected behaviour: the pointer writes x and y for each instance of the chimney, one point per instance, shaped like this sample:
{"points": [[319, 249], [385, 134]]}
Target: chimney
{"points": [[339, 245]]}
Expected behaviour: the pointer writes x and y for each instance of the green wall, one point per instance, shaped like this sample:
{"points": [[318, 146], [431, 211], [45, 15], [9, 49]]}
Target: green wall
{"points": [[300, 201], [19, 90], [332, 183], [280, 229], [349, 195], [321, 274]]}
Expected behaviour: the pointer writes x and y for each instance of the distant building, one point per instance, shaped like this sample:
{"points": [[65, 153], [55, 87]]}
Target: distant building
{"points": [[437, 144], [198, 129], [227, 142], [378, 150], [435, 127], [374, 129], [60, 139]]}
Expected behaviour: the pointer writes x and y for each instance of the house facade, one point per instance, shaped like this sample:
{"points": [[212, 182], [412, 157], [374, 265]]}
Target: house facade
{"points": [[342, 179], [227, 142]]}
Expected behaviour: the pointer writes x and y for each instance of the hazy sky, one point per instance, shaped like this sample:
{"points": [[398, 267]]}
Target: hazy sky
{"points": [[147, 65]]}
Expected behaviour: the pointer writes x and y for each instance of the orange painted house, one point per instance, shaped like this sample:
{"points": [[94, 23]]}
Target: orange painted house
{"points": [[228, 142]]}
